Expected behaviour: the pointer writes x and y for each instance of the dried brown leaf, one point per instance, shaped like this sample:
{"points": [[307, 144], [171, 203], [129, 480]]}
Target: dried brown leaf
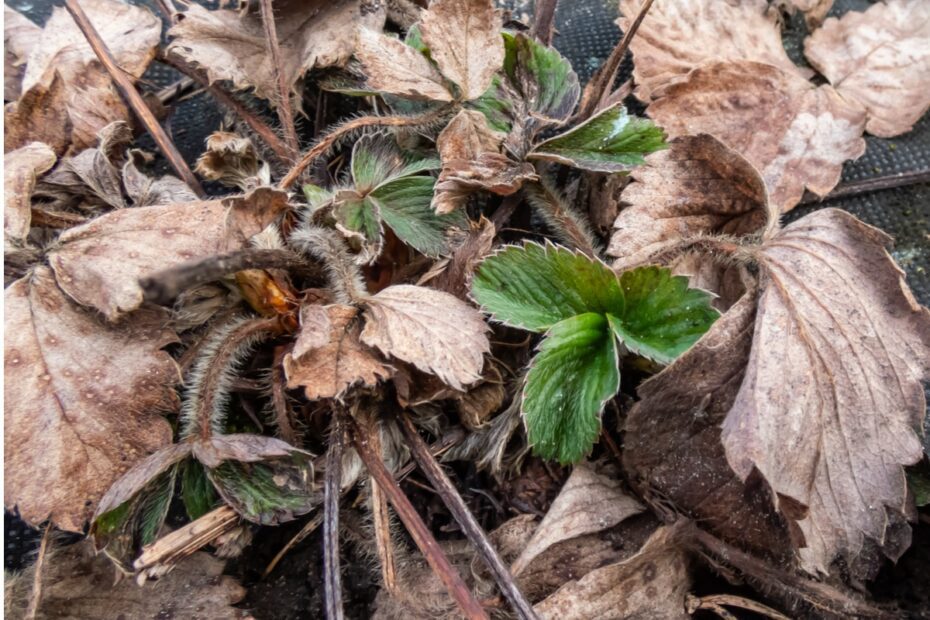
{"points": [[392, 66], [82, 400], [20, 171], [328, 357], [231, 45], [797, 135], [100, 263], [146, 191], [38, 116], [814, 11], [464, 38], [832, 402], [20, 36], [241, 447], [880, 59], [436, 332], [676, 37], [232, 160], [477, 405], [141, 474], [453, 275]]}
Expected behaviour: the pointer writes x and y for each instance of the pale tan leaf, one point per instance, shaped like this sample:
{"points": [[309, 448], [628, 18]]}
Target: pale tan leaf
{"points": [[328, 358], [814, 11], [464, 38], [651, 584], [436, 332], [82, 400], [20, 36], [589, 502], [241, 447], [879, 58], [231, 45], [146, 191], [394, 67], [796, 134], [77, 584], [20, 171], [832, 400], [100, 263], [676, 37], [38, 116]]}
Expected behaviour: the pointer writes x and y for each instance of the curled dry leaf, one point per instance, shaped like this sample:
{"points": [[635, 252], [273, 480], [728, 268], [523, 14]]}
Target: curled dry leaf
{"points": [[454, 274], [392, 66], [797, 135], [880, 59], [241, 447], [100, 263], [832, 402], [436, 332], [230, 45], [232, 160], [814, 10], [328, 357], [676, 37], [82, 400], [20, 171], [77, 584], [20, 36], [146, 191]]}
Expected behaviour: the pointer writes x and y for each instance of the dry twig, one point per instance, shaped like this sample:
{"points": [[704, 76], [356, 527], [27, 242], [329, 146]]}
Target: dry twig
{"points": [[332, 582], [285, 113]]}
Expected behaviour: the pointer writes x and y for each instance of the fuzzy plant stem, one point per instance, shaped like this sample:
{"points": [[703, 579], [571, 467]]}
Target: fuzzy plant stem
{"points": [[325, 245], [285, 113], [564, 220]]}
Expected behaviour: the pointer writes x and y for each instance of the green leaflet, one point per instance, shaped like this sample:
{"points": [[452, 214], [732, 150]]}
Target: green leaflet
{"points": [[611, 141], [404, 205], [534, 286], [316, 196], [663, 317], [359, 216], [496, 104], [197, 492], [545, 78], [267, 492], [414, 39], [572, 376], [376, 159]]}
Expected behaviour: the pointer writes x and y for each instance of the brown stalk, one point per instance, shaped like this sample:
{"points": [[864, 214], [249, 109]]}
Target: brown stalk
{"points": [[305, 531], [855, 188], [600, 85], [715, 602], [466, 520], [173, 547], [332, 579], [283, 414], [421, 535], [167, 7], [36, 596], [544, 21], [382, 522], [285, 113], [128, 91]]}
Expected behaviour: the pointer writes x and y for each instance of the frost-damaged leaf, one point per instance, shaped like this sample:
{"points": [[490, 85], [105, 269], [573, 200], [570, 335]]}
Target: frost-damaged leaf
{"points": [[20, 36], [661, 317], [573, 374], [405, 206], [880, 59], [21, 168], [698, 186], [233, 161], [243, 448], [99, 263], [544, 78], [267, 492], [82, 400], [796, 134], [328, 357], [676, 37], [533, 287], [85, 92], [651, 584], [230, 45], [78, 584], [436, 332], [463, 37], [38, 117], [832, 401], [394, 67], [146, 191], [589, 502], [612, 141]]}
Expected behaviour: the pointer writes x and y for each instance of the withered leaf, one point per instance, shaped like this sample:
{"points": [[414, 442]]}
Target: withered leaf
{"points": [[141, 474], [241, 447], [20, 35], [77, 584], [20, 170], [38, 117], [99, 263], [146, 191], [82, 400], [436, 332], [392, 66], [328, 357], [464, 38], [814, 10], [232, 160], [831, 403], [796, 134], [676, 37], [231, 45], [880, 59]]}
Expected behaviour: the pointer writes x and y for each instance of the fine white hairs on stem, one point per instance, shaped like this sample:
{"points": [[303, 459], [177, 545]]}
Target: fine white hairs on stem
{"points": [[344, 276]]}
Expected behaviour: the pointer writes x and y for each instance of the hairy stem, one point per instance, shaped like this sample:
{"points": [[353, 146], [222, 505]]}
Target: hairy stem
{"points": [[565, 221], [285, 113], [344, 276]]}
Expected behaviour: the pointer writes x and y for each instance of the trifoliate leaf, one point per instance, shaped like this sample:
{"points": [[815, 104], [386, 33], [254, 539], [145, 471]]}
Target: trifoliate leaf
{"points": [[405, 207], [549, 86], [359, 216], [612, 141], [570, 379], [662, 317], [534, 287]]}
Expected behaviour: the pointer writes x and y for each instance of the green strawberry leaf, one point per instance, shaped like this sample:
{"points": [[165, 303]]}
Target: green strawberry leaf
{"points": [[359, 216], [573, 374], [544, 77], [404, 205], [662, 317], [497, 105], [376, 159], [197, 493], [612, 141], [267, 492], [316, 196], [534, 286]]}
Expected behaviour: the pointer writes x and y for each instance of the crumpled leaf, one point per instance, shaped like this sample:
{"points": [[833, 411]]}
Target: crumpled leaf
{"points": [[676, 37], [832, 402], [232, 160], [20, 36], [84, 93], [21, 168], [814, 11], [230, 45], [392, 66], [146, 191], [797, 135], [463, 37], [436, 332], [99, 263], [78, 584], [328, 357], [698, 186], [879, 58], [82, 400]]}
